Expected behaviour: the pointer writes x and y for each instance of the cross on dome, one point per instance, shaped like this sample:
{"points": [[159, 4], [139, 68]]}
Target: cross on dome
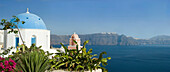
{"points": [[27, 10]]}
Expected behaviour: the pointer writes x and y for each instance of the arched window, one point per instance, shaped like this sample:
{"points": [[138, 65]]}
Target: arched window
{"points": [[16, 41], [33, 39]]}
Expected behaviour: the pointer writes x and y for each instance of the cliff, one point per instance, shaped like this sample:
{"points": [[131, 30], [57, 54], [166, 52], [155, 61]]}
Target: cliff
{"points": [[97, 39]]}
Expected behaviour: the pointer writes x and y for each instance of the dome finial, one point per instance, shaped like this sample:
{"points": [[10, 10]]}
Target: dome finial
{"points": [[27, 10]]}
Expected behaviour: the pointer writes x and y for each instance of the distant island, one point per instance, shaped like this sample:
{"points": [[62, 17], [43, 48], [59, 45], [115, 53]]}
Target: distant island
{"points": [[111, 39]]}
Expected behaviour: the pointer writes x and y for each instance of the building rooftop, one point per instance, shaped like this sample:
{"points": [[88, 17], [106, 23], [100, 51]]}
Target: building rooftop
{"points": [[32, 21]]}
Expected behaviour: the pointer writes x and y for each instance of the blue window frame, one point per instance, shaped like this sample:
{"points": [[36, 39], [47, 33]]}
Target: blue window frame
{"points": [[16, 41], [33, 40]]}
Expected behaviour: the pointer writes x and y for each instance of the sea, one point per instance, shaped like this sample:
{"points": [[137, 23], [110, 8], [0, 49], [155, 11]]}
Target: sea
{"points": [[148, 58]]}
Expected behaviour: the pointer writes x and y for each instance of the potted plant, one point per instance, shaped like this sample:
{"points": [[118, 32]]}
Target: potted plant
{"points": [[78, 60]]}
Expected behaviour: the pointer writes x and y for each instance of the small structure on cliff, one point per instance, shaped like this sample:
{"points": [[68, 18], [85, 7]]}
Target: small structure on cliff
{"points": [[72, 45]]}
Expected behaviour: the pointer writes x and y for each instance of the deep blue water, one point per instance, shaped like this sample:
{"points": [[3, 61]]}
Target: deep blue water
{"points": [[136, 58]]}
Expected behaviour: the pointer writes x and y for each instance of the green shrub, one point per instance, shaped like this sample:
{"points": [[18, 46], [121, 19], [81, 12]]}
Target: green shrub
{"points": [[31, 59], [78, 60]]}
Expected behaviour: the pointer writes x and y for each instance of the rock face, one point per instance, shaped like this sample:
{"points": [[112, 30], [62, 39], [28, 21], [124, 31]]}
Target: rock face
{"points": [[160, 38], [97, 39], [112, 39]]}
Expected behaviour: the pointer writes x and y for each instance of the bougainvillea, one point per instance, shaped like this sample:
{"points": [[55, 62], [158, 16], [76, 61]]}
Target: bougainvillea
{"points": [[7, 65]]}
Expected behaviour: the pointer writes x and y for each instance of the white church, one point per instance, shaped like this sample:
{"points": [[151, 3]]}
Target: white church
{"points": [[33, 31]]}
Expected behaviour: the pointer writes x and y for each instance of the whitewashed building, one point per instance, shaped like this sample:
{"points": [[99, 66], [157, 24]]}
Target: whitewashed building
{"points": [[1, 38], [33, 31]]}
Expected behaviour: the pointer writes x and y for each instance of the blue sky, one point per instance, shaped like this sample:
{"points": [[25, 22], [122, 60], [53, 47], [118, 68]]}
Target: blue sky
{"points": [[136, 18]]}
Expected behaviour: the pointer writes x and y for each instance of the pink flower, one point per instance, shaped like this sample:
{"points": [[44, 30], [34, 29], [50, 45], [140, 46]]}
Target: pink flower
{"points": [[12, 61], [1, 65], [6, 65], [2, 58], [10, 69]]}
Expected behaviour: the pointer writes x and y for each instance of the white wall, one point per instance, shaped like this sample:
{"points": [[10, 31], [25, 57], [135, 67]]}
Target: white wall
{"points": [[2, 36], [42, 38]]}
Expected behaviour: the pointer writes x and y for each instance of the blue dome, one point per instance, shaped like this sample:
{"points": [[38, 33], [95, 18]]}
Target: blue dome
{"points": [[32, 21]]}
